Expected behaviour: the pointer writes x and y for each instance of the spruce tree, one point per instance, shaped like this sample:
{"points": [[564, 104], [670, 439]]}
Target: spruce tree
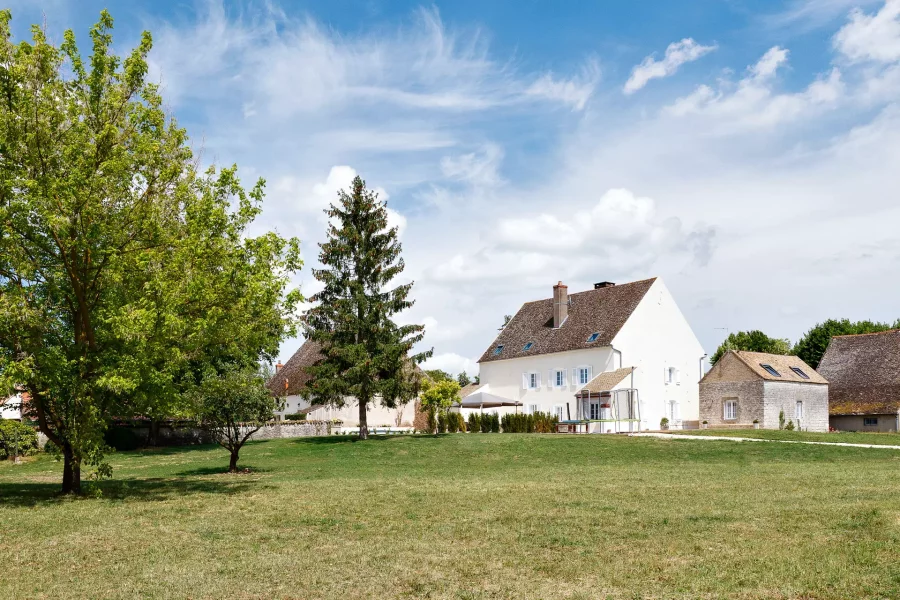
{"points": [[366, 355]]}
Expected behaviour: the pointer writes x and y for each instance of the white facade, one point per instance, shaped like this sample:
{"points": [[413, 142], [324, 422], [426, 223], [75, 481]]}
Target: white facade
{"points": [[656, 340], [376, 416], [11, 408]]}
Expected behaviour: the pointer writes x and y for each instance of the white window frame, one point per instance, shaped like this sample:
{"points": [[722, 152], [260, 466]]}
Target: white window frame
{"points": [[672, 375], [560, 411], [591, 405], [576, 374], [557, 378], [798, 410], [531, 380], [534, 408], [732, 402]]}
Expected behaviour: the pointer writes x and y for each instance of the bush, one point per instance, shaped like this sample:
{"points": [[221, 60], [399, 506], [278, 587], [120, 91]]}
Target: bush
{"points": [[534, 423], [495, 423], [781, 420], [474, 422], [664, 423], [15, 434], [789, 426], [442, 422], [486, 423], [452, 422], [460, 422], [295, 417]]}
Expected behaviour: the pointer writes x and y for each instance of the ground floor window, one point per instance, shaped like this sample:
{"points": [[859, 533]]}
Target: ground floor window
{"points": [[730, 409], [798, 410], [533, 408], [560, 411], [594, 410], [870, 421]]}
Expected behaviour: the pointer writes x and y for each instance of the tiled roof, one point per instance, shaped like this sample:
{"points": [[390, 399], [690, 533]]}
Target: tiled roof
{"points": [[602, 311], [782, 363], [607, 380], [291, 378], [864, 373], [468, 390]]}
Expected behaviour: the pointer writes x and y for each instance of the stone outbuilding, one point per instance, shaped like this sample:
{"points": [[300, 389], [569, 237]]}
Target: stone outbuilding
{"points": [[864, 381], [746, 386]]}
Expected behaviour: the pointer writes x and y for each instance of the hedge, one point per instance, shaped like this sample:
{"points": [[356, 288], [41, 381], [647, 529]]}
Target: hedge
{"points": [[15, 433]]}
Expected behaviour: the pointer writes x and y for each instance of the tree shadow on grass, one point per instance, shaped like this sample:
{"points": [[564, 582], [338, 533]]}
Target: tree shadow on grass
{"points": [[145, 490], [223, 470]]}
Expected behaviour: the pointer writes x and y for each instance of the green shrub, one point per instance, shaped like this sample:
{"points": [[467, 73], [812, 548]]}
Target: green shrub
{"points": [[535, 423], [789, 426], [460, 422], [442, 422], [295, 417], [452, 422], [781, 420], [15, 434], [474, 422], [664, 423], [486, 423], [495, 423]]}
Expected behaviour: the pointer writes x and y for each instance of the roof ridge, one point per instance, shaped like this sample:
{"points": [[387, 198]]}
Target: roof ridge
{"points": [[850, 335]]}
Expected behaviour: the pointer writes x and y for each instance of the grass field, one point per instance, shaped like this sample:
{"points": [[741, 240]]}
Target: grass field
{"points": [[463, 516], [843, 437]]}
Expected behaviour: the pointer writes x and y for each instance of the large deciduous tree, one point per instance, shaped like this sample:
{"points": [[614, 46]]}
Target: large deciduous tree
{"points": [[811, 347], [124, 276], [366, 355], [753, 341]]}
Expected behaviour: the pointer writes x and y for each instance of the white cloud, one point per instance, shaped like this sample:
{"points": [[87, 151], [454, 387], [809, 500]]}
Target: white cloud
{"points": [[575, 91], [622, 233], [871, 37], [452, 363], [677, 54], [477, 168], [753, 101]]}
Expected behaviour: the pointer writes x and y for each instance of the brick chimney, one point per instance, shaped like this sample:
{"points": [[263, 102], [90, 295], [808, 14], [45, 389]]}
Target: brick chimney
{"points": [[278, 367], [560, 304]]}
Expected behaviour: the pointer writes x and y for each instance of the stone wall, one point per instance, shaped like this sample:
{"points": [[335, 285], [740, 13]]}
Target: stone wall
{"points": [[749, 395], [783, 396]]}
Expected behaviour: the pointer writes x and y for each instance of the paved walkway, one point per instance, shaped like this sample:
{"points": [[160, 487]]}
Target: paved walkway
{"points": [[679, 436]]}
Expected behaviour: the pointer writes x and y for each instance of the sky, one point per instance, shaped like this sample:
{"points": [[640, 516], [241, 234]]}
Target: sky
{"points": [[747, 152]]}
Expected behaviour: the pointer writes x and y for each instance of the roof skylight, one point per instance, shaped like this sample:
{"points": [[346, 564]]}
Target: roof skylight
{"points": [[800, 372], [498, 349], [527, 347], [770, 370], [593, 337]]}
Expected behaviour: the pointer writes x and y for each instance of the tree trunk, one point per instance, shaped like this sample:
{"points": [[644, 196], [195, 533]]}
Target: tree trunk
{"points": [[232, 466], [71, 471], [363, 427], [153, 433]]}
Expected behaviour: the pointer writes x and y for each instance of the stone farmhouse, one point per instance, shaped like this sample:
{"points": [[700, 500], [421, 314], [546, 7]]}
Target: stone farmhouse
{"points": [[743, 387]]}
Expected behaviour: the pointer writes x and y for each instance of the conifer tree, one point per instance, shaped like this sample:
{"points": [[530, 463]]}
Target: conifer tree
{"points": [[366, 355]]}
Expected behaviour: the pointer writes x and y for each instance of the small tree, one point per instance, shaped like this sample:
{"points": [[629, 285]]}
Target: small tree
{"points": [[463, 379], [439, 396], [781, 419], [233, 406]]}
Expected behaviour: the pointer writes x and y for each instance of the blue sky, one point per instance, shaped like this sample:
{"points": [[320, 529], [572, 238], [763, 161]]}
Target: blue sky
{"points": [[744, 151]]}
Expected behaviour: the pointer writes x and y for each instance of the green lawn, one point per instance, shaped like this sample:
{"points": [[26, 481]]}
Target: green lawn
{"points": [[843, 437], [464, 516]]}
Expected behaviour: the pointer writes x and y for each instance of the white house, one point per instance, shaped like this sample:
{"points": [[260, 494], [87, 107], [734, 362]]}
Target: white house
{"points": [[614, 358], [291, 377], [11, 407]]}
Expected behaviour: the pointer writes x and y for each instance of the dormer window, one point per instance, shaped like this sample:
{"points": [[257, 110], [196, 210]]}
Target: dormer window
{"points": [[593, 337], [527, 346], [770, 370], [800, 372], [498, 350]]}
